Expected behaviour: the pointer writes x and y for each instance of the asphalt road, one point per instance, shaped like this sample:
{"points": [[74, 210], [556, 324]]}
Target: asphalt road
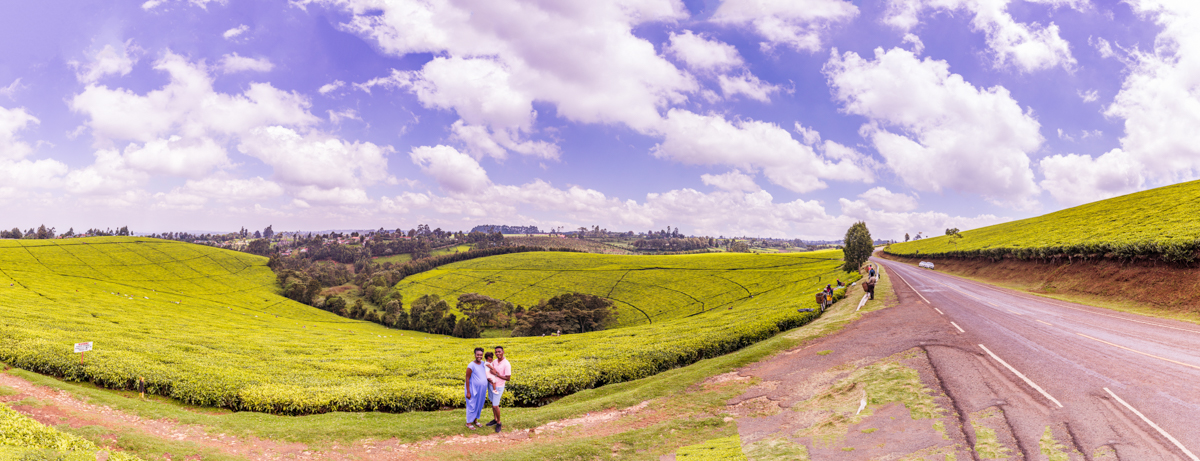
{"points": [[1105, 383]]}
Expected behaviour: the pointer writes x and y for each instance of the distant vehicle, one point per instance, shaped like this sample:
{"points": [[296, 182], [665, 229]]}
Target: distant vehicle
{"points": [[926, 264]]}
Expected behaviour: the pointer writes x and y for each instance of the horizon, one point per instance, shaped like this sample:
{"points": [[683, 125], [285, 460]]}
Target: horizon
{"points": [[735, 117]]}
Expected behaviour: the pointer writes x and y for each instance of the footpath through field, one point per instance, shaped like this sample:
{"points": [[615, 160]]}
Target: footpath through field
{"points": [[1104, 382]]}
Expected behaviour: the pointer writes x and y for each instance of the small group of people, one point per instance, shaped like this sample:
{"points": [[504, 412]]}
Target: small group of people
{"points": [[872, 279], [486, 377]]}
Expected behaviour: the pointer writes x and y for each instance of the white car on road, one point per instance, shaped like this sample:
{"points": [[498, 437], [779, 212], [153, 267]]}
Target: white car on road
{"points": [[926, 264]]}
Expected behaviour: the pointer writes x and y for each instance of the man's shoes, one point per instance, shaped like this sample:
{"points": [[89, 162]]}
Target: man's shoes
{"points": [[498, 426], [492, 423]]}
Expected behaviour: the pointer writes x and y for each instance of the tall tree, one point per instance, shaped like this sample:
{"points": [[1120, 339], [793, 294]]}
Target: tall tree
{"points": [[858, 246]]}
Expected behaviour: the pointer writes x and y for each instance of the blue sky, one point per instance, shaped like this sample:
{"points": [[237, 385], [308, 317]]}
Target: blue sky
{"points": [[782, 118]]}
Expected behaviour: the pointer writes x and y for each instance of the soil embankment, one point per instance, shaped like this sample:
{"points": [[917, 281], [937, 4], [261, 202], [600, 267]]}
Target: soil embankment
{"points": [[1154, 284]]}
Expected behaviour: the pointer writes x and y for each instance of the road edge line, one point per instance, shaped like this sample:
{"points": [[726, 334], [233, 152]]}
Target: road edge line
{"points": [[914, 289], [1155, 426], [1027, 381]]}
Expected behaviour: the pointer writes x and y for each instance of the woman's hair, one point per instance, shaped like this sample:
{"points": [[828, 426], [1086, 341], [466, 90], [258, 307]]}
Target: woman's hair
{"points": [[488, 355], [478, 349]]}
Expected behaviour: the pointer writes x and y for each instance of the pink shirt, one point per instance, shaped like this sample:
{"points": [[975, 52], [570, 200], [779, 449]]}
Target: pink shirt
{"points": [[503, 368]]}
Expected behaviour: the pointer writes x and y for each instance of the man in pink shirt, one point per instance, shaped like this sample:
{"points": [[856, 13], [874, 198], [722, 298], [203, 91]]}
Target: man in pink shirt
{"points": [[501, 372]]}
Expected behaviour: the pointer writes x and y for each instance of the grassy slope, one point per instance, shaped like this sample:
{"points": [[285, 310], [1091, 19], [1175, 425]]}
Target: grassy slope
{"points": [[645, 289], [1163, 216], [205, 326], [699, 410]]}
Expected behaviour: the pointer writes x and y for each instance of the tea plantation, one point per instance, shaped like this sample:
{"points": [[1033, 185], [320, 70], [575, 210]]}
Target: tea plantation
{"points": [[207, 327], [1157, 223]]}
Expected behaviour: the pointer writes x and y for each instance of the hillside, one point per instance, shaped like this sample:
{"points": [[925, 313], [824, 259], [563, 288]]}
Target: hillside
{"points": [[206, 326], [1158, 223], [645, 289]]}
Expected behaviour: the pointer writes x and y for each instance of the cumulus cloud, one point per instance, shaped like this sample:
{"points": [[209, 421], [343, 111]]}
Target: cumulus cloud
{"points": [[747, 84], [325, 167], [235, 32], [750, 145], [794, 23], [1089, 96], [109, 60], [703, 55], [11, 89], [16, 172], [918, 46], [176, 156], [1077, 179], [229, 189], [232, 63], [203, 4], [11, 122], [490, 67], [731, 181], [894, 224], [1158, 97], [454, 171], [886, 200], [953, 135], [1027, 47]]}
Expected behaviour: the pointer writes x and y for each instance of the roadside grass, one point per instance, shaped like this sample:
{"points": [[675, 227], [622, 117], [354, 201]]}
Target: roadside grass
{"points": [[1051, 448]]}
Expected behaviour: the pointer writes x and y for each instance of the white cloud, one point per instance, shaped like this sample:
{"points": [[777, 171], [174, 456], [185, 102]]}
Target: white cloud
{"points": [[1077, 179], [235, 32], [1158, 97], [11, 89], [1089, 96], [454, 171], [701, 54], [810, 136], [1103, 46], [1028, 47], [231, 63], [203, 4], [12, 121], [794, 23], [317, 159], [918, 46], [332, 196], [481, 142], [886, 200], [109, 175], [893, 224], [749, 145], [584, 58], [731, 181], [109, 60], [255, 188], [345, 114], [748, 85], [188, 106], [176, 156], [177, 199], [954, 135], [331, 86]]}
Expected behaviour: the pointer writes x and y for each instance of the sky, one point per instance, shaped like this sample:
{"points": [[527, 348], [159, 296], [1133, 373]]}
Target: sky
{"points": [[769, 118]]}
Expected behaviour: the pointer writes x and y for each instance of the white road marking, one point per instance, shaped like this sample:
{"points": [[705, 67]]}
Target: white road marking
{"points": [[1015, 312], [914, 289], [1047, 323], [960, 330], [1155, 426], [1139, 352], [1027, 381], [939, 311]]}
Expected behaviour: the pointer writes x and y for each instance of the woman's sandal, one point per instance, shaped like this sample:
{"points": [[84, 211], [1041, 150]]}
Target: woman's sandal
{"points": [[472, 426]]}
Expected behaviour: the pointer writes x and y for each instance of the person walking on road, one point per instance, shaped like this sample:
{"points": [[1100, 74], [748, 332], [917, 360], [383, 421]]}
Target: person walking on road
{"points": [[499, 372], [475, 386]]}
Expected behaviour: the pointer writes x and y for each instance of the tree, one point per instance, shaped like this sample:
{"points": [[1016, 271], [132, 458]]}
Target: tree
{"points": [[259, 247], [858, 246], [569, 313], [465, 328], [268, 232], [952, 231], [906, 236], [258, 235], [739, 247]]}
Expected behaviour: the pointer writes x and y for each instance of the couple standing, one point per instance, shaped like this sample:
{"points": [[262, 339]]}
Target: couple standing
{"points": [[486, 377]]}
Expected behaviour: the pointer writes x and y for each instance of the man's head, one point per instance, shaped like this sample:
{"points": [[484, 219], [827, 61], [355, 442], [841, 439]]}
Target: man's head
{"points": [[499, 352], [478, 354]]}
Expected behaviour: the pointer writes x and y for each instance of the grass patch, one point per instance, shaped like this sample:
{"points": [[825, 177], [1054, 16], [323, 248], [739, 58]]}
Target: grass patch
{"points": [[987, 442], [776, 448], [722, 449], [825, 352], [1051, 448]]}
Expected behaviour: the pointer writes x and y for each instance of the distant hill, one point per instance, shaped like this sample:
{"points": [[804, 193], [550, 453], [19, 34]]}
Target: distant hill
{"points": [[1157, 223], [506, 229]]}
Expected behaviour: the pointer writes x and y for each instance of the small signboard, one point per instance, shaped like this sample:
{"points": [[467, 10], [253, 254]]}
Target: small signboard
{"points": [[83, 347]]}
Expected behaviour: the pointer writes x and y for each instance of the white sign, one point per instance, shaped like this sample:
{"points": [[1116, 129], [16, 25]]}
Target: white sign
{"points": [[83, 347]]}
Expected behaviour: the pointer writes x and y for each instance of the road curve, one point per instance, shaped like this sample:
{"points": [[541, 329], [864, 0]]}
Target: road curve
{"points": [[1105, 382]]}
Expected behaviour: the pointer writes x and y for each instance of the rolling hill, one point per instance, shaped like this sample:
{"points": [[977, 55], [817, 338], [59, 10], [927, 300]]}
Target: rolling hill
{"points": [[207, 326], [1157, 223]]}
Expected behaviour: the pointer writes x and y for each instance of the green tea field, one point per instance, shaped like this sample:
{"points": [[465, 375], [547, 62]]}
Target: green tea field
{"points": [[1154, 223], [646, 289], [207, 327]]}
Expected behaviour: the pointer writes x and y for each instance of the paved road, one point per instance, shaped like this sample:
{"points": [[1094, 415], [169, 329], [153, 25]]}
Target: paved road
{"points": [[1103, 381]]}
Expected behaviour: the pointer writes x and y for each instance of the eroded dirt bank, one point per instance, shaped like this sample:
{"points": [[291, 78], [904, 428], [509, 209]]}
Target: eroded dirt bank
{"points": [[1144, 283]]}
